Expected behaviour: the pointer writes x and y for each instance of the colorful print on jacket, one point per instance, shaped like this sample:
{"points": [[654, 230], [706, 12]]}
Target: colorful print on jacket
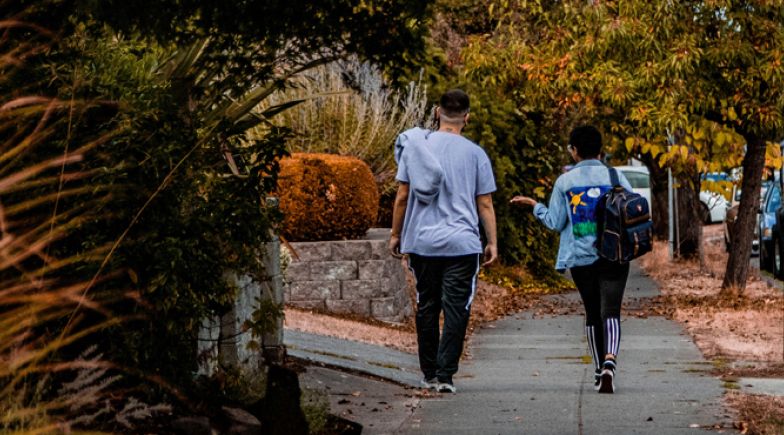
{"points": [[582, 209]]}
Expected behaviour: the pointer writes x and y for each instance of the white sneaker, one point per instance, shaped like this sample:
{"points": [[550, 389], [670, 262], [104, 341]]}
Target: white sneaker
{"points": [[607, 381], [429, 384], [446, 387]]}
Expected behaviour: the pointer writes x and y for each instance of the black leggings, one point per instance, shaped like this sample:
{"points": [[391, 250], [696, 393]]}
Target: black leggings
{"points": [[601, 287]]}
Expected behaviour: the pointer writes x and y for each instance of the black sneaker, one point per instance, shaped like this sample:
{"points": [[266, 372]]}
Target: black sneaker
{"points": [[597, 379], [607, 378], [429, 384]]}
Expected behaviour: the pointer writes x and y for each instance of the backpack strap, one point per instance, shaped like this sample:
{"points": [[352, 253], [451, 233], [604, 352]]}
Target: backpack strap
{"points": [[614, 181]]}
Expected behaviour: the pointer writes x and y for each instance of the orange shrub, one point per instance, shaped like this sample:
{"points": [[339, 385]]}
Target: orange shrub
{"points": [[326, 197]]}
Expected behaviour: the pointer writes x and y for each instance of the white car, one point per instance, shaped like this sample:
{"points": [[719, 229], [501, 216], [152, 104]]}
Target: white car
{"points": [[714, 206], [639, 179]]}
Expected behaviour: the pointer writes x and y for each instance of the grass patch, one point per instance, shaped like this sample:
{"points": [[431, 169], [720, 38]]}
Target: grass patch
{"points": [[693, 370], [315, 407]]}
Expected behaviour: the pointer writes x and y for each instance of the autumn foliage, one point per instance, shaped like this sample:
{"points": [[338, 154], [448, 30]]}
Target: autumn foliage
{"points": [[326, 197]]}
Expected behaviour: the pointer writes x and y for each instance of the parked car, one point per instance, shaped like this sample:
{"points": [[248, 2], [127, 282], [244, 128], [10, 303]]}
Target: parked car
{"points": [[713, 206], [765, 224], [778, 243], [639, 179]]}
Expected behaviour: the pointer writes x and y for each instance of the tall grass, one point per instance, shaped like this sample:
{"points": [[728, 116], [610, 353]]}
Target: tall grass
{"points": [[350, 110], [46, 309]]}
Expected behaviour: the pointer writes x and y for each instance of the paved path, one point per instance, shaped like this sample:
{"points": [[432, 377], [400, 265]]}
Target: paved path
{"points": [[383, 362], [530, 376]]}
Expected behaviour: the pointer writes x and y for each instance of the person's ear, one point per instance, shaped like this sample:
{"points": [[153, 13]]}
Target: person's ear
{"points": [[466, 118]]}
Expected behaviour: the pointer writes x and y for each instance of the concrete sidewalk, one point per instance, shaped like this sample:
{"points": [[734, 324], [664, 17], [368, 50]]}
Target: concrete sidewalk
{"points": [[530, 376]]}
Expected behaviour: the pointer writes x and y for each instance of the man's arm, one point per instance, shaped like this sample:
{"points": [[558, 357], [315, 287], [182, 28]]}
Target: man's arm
{"points": [[398, 215], [484, 204]]}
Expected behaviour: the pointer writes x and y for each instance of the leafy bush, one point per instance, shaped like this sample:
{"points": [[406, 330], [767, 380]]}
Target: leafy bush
{"points": [[326, 197], [350, 110], [179, 82]]}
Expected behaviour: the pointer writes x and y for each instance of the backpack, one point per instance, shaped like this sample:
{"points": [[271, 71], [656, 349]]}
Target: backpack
{"points": [[624, 227]]}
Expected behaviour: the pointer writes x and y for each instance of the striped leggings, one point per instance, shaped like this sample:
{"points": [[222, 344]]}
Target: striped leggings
{"points": [[601, 287]]}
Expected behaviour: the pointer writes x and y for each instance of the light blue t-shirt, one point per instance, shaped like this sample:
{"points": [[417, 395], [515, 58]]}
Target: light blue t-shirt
{"points": [[449, 225]]}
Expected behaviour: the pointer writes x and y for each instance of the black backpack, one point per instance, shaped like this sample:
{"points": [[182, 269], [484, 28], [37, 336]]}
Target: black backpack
{"points": [[624, 227]]}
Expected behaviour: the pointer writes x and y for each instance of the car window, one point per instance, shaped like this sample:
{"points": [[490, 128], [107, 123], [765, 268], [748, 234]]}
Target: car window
{"points": [[774, 200], [638, 180]]}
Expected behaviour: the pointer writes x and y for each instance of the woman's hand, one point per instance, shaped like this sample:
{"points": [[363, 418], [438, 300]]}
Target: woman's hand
{"points": [[523, 200]]}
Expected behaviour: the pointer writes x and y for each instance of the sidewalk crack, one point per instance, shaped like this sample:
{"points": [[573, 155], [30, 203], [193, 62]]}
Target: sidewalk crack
{"points": [[580, 405]]}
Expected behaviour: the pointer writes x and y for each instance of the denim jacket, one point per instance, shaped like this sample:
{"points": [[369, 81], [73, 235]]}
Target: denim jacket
{"points": [[572, 211]]}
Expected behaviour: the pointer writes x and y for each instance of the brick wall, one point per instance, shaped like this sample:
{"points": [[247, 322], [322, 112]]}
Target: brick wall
{"points": [[349, 277]]}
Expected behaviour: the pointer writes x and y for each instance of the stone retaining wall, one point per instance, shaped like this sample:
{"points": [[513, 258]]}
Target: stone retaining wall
{"points": [[349, 277]]}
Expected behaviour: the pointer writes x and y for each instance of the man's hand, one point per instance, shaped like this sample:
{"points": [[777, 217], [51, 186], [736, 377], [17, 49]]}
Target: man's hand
{"points": [[523, 200], [394, 246], [491, 255]]}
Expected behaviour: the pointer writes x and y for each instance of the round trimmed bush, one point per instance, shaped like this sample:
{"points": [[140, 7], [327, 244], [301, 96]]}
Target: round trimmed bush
{"points": [[326, 197]]}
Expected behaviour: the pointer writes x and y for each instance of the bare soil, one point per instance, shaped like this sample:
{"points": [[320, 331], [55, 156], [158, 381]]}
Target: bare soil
{"points": [[397, 337], [763, 415], [728, 327], [749, 327]]}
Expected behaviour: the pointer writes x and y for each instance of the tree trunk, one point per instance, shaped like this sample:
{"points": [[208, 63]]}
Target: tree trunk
{"points": [[689, 217], [659, 207], [743, 229]]}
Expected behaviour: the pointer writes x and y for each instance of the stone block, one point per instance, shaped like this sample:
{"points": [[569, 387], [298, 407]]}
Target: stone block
{"points": [[384, 307], [298, 271], [357, 306], [314, 290], [333, 270], [379, 249], [371, 269], [286, 293], [395, 267], [309, 305], [351, 250], [392, 287], [378, 233], [313, 251], [365, 289]]}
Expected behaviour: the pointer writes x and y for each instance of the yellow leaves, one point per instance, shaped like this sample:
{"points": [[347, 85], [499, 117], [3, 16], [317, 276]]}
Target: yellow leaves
{"points": [[720, 139], [683, 151], [539, 192], [773, 157], [731, 114], [629, 144]]}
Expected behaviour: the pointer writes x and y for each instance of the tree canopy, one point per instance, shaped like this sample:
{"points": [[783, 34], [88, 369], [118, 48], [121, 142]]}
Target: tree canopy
{"points": [[643, 68]]}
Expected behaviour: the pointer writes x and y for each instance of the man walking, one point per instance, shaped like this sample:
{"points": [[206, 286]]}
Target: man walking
{"points": [[445, 190]]}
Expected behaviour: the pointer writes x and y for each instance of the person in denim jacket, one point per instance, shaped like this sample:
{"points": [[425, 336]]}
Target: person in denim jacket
{"points": [[572, 212]]}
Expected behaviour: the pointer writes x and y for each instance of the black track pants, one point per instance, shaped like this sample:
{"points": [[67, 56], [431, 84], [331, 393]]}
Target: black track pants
{"points": [[448, 284]]}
